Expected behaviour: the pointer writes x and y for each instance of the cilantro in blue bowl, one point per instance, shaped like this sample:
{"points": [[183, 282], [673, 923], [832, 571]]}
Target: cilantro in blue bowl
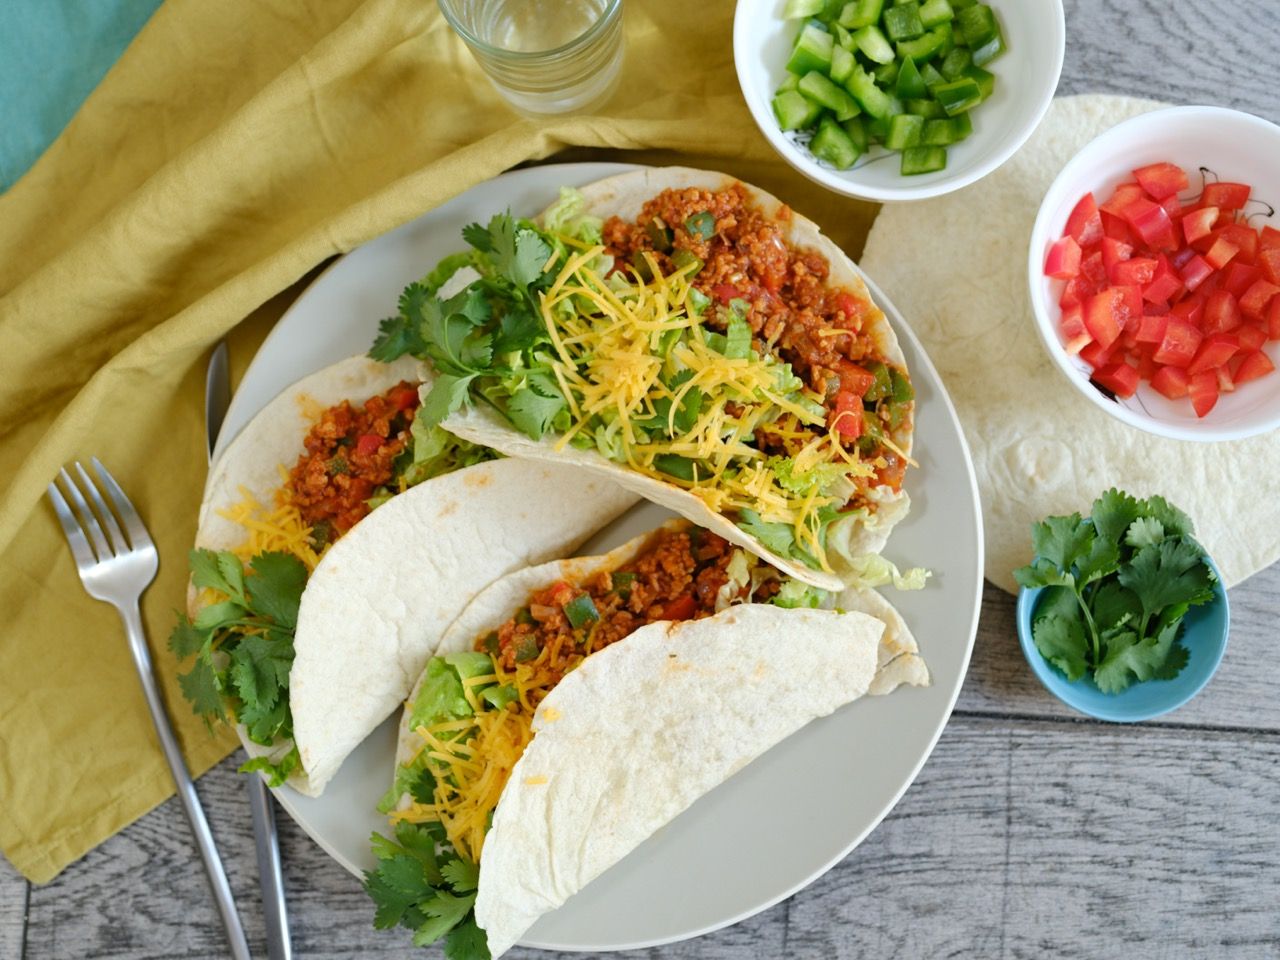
{"points": [[1122, 615]]}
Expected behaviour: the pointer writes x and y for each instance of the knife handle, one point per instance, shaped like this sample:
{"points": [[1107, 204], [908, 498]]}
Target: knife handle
{"points": [[270, 876]]}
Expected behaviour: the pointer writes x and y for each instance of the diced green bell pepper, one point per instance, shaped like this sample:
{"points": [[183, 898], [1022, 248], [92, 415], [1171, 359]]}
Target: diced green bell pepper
{"points": [[910, 85], [873, 44], [832, 144], [886, 75], [934, 12], [990, 50], [958, 95], [917, 160], [789, 82], [904, 131], [931, 76], [922, 48], [799, 9], [581, 610], [955, 63], [812, 50], [844, 38], [795, 111], [945, 132], [976, 25], [860, 13], [819, 88], [902, 21], [842, 64], [873, 100], [929, 109], [856, 128], [985, 79]]}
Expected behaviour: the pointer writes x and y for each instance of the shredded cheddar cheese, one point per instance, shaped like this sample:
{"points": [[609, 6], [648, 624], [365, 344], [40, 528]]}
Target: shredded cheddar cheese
{"points": [[278, 528], [612, 367]]}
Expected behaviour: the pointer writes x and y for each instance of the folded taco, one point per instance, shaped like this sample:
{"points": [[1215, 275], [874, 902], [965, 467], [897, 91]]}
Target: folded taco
{"points": [[306, 629], [697, 340], [653, 672]]}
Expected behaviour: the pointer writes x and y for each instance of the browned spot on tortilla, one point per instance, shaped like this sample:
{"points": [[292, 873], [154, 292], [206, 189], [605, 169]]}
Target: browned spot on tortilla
{"points": [[447, 509], [477, 478], [308, 406]]}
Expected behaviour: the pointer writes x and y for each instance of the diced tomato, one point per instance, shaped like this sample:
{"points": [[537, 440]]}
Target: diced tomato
{"points": [[1180, 343], [1147, 365], [1195, 272], [1251, 337], [1269, 263], [1151, 222], [1129, 337], [1226, 383], [1273, 319], [1252, 366], [1239, 277], [1137, 271], [1113, 252], [1063, 261], [1243, 237], [1227, 196], [1220, 254], [1161, 179], [1203, 390], [846, 415], [1152, 329], [1221, 313], [1269, 238], [402, 398], [1254, 301], [1198, 223], [1124, 195], [1096, 356], [1130, 305], [368, 443], [1075, 336], [1155, 310], [1216, 350], [1115, 228], [1165, 285], [682, 607], [1084, 226], [1092, 268], [1190, 309], [1075, 292], [1179, 259], [1104, 316], [725, 292], [1120, 378], [854, 379], [1174, 209], [1171, 382]]}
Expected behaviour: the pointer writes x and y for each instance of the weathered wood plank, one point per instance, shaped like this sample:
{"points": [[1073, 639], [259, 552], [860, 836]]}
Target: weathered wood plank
{"points": [[1043, 839], [13, 911], [1241, 694]]}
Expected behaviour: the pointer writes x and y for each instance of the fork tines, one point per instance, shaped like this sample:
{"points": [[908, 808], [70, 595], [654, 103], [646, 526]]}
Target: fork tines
{"points": [[94, 533]]}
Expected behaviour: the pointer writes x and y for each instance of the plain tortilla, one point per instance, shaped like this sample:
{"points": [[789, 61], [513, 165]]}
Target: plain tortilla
{"points": [[626, 742], [1038, 447], [624, 196], [378, 602]]}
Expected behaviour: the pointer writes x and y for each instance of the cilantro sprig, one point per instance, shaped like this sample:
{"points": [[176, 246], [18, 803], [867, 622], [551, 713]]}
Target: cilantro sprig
{"points": [[243, 648], [420, 883], [1118, 585]]}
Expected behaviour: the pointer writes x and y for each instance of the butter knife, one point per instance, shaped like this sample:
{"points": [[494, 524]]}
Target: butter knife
{"points": [[217, 397]]}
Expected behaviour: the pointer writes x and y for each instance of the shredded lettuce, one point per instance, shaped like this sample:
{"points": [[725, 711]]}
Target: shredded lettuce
{"points": [[568, 218], [872, 570], [437, 452], [795, 594]]}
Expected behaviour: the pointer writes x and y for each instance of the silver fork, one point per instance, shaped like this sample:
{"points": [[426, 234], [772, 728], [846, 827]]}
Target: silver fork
{"points": [[117, 570]]}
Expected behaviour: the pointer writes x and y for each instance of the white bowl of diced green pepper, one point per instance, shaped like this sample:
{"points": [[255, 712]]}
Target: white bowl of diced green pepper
{"points": [[898, 99]]}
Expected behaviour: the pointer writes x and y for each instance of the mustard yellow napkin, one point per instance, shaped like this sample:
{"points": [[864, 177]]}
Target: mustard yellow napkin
{"points": [[235, 147]]}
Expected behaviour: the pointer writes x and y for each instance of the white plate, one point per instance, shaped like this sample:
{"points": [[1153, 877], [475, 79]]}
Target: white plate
{"points": [[792, 814]]}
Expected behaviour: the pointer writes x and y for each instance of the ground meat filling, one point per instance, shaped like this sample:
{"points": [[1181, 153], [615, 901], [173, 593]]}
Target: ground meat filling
{"points": [[675, 577], [350, 453], [816, 328]]}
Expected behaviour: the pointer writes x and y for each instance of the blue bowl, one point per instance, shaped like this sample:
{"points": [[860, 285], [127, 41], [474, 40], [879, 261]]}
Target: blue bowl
{"points": [[1204, 635]]}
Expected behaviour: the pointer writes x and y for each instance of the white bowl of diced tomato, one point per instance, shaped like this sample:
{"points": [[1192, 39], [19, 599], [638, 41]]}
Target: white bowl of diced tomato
{"points": [[1155, 273]]}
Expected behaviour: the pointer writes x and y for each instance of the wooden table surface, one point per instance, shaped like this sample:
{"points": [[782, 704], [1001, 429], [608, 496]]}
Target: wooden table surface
{"points": [[1030, 833]]}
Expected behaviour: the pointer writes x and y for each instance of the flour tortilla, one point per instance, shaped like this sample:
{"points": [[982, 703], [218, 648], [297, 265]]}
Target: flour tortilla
{"points": [[644, 728], [378, 602], [624, 196], [1038, 446]]}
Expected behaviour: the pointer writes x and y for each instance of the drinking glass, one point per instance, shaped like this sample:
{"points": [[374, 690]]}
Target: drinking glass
{"points": [[544, 56]]}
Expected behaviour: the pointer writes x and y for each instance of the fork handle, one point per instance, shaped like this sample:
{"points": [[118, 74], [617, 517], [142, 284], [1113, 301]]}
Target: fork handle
{"points": [[186, 788]]}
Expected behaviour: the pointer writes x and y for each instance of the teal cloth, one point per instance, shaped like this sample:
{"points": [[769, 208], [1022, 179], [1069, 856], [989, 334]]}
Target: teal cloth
{"points": [[52, 55]]}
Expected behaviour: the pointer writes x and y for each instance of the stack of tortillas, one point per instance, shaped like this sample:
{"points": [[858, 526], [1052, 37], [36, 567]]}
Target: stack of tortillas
{"points": [[956, 267]]}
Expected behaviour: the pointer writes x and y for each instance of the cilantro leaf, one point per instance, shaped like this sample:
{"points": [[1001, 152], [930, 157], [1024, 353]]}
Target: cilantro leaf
{"points": [[1176, 523], [461, 875], [518, 329], [1144, 532], [397, 884], [420, 841], [259, 671], [519, 254], [1173, 572], [275, 585], [1062, 642], [530, 411], [185, 639], [467, 942], [1042, 573], [1112, 513], [402, 333], [448, 394], [478, 237], [277, 772], [217, 614], [1103, 558], [200, 686], [1115, 606], [1062, 540], [209, 569], [1129, 658], [446, 911]]}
